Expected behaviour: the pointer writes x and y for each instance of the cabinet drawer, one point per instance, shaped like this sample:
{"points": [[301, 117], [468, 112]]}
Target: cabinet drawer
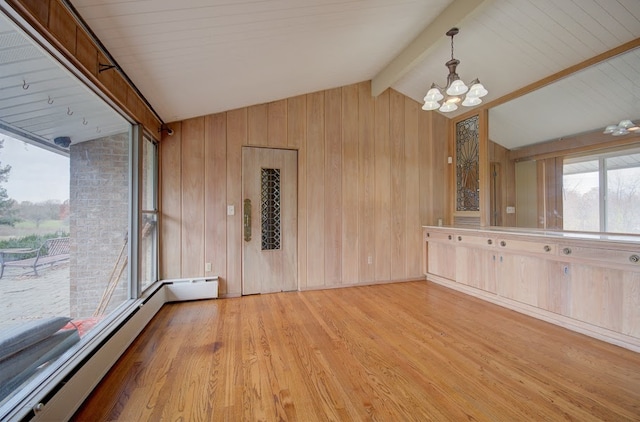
{"points": [[440, 237], [475, 240], [525, 246], [623, 257]]}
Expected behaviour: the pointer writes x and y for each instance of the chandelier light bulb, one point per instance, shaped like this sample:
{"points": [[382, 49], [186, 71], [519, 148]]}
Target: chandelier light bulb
{"points": [[433, 94], [431, 105], [448, 106], [471, 101], [477, 90], [457, 88]]}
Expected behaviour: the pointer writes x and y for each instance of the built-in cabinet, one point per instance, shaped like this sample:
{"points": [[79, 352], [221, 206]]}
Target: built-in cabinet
{"points": [[590, 285]]}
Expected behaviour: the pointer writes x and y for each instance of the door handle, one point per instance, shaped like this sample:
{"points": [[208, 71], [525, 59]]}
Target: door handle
{"points": [[247, 220]]}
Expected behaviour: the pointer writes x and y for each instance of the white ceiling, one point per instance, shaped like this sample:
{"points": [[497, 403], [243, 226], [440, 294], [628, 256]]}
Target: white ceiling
{"points": [[195, 57]]}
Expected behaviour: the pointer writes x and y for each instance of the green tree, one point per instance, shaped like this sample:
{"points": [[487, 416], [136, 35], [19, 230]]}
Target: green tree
{"points": [[7, 205]]}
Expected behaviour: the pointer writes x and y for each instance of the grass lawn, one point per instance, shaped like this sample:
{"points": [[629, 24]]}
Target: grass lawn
{"points": [[26, 228]]}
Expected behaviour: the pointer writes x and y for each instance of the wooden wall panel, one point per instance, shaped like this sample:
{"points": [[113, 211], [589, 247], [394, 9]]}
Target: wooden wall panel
{"points": [[236, 137], [258, 125], [398, 187], [442, 172], [333, 187], [297, 131], [193, 197], [350, 171], [315, 190], [215, 197], [277, 124], [413, 229], [371, 171], [382, 210], [366, 181], [170, 205]]}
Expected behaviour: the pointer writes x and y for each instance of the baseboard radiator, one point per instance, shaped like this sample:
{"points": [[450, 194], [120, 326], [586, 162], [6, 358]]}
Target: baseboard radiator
{"points": [[68, 389]]}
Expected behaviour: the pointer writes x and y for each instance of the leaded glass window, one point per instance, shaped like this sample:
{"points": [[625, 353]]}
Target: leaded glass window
{"points": [[270, 209], [467, 165]]}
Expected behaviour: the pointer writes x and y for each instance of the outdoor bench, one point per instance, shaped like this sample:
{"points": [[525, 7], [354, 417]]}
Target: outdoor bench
{"points": [[50, 252]]}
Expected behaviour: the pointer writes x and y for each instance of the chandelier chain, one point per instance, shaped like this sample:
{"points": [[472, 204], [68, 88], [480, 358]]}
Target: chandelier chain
{"points": [[451, 47]]}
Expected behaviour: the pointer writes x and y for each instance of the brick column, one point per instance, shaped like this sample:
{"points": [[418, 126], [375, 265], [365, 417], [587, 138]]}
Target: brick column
{"points": [[99, 202]]}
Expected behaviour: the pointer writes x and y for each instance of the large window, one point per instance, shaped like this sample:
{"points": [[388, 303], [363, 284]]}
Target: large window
{"points": [[68, 220], [602, 192]]}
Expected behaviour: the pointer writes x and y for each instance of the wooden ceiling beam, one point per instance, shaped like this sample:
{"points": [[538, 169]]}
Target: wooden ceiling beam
{"points": [[422, 45]]}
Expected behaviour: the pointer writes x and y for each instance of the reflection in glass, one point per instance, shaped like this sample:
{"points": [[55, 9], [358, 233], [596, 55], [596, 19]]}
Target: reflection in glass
{"points": [[581, 196]]}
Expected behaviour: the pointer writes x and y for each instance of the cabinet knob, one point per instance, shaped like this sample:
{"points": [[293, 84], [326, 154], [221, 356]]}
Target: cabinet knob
{"points": [[634, 258], [428, 234], [489, 242], [450, 237], [503, 243], [459, 238], [547, 248], [566, 251]]}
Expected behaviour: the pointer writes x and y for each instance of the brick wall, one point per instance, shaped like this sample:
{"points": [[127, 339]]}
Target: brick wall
{"points": [[99, 202]]}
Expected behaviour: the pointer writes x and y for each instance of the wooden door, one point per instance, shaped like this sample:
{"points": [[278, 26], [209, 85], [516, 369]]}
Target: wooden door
{"points": [[269, 212]]}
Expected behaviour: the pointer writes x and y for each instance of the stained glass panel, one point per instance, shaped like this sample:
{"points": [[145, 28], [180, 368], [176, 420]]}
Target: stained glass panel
{"points": [[467, 165]]}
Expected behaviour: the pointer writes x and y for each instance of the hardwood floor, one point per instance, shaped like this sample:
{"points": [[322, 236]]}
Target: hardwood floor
{"points": [[405, 351]]}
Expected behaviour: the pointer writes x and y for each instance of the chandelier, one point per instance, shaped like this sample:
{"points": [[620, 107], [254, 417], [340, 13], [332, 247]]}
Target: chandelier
{"points": [[622, 128], [455, 89]]}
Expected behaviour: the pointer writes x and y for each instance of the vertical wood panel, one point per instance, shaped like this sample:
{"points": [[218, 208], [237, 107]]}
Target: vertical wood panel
{"points": [[215, 179], [315, 189], [170, 206], [297, 138], [425, 140], [382, 202], [277, 124], [437, 167], [366, 182], [413, 228], [333, 187], [192, 197], [350, 170], [236, 137], [631, 303], [362, 180], [398, 192], [258, 125]]}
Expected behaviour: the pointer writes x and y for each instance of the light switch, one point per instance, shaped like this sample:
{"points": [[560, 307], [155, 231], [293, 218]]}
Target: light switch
{"points": [[231, 210], [511, 210], [207, 266]]}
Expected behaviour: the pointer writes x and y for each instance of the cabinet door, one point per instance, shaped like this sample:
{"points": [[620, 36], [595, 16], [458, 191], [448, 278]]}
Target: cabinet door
{"points": [[518, 277], [554, 292], [441, 259], [598, 295], [476, 267]]}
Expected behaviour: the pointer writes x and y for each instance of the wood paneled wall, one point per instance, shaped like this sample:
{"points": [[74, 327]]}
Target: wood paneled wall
{"points": [[371, 172], [54, 21]]}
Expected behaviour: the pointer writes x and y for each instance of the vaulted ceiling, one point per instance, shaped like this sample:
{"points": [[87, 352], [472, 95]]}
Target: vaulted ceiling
{"points": [[196, 57]]}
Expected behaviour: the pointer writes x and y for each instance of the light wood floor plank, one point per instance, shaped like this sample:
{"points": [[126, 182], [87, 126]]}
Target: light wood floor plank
{"points": [[403, 351]]}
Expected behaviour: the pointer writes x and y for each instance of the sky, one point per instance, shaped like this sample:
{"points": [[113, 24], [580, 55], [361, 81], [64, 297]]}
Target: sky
{"points": [[36, 174]]}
